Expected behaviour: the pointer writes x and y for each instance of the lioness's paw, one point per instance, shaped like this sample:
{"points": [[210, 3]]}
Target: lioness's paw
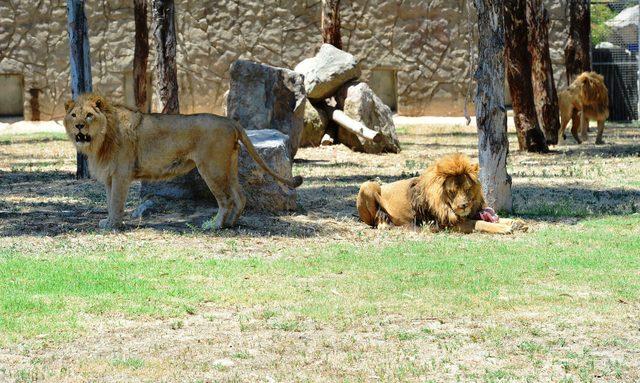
{"points": [[211, 225], [106, 224]]}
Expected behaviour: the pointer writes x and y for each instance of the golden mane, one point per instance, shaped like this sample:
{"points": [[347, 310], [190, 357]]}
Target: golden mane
{"points": [[429, 198], [594, 94], [112, 139]]}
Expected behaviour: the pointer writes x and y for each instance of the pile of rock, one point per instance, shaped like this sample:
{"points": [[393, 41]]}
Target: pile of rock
{"points": [[342, 109]]}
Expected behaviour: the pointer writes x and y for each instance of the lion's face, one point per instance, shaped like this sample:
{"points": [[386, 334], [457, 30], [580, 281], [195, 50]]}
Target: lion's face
{"points": [[85, 123], [463, 194], [451, 189]]}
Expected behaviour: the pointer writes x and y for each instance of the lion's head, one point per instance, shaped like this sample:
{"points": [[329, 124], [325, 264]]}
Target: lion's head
{"points": [[593, 92], [90, 123], [450, 190]]}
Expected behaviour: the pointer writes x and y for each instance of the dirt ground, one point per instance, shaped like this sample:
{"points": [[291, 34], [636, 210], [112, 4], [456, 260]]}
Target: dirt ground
{"points": [[41, 200]]}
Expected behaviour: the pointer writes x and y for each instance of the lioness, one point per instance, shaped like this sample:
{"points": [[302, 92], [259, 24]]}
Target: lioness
{"points": [[123, 145], [447, 195]]}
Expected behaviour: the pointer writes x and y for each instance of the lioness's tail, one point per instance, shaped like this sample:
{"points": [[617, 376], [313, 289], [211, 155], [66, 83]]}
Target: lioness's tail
{"points": [[293, 183]]}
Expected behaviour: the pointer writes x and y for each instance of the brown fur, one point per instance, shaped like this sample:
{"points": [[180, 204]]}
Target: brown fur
{"points": [[123, 144], [588, 97], [446, 195]]}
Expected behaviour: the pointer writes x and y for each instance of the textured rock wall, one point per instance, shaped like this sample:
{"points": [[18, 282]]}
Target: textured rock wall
{"points": [[425, 41]]}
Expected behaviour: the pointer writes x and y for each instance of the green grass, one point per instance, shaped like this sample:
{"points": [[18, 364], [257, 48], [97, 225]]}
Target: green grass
{"points": [[590, 266], [9, 139]]}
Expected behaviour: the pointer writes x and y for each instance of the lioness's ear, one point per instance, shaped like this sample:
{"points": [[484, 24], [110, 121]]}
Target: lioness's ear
{"points": [[69, 105]]}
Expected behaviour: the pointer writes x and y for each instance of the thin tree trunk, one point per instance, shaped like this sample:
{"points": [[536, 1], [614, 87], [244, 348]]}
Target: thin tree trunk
{"points": [[166, 71], [80, 64], [518, 62], [141, 54], [330, 21], [577, 53], [491, 116], [544, 85]]}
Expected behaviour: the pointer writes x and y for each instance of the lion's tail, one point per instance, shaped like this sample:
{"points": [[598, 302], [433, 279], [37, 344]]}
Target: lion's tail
{"points": [[293, 183]]}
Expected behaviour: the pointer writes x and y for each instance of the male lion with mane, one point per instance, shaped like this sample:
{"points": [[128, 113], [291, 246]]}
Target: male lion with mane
{"points": [[447, 195], [123, 145], [588, 96]]}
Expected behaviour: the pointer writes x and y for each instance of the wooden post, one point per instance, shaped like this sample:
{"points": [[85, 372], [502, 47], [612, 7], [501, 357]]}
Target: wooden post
{"points": [[544, 85], [80, 64], [140, 54], [166, 71], [355, 127], [330, 21], [577, 53], [491, 115], [518, 62]]}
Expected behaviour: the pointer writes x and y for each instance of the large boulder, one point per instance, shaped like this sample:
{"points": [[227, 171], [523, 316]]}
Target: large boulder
{"points": [[266, 97], [315, 125], [325, 73], [262, 191], [358, 101]]}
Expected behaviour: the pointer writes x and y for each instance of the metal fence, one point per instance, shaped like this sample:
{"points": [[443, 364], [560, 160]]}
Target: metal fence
{"points": [[614, 35]]}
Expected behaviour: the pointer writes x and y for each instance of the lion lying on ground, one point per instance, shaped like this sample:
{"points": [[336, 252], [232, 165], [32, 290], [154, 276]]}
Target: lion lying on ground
{"points": [[588, 97], [123, 145], [447, 195]]}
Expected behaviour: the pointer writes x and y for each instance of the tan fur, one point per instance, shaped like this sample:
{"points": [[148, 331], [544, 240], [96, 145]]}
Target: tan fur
{"points": [[588, 97], [123, 145], [445, 195]]}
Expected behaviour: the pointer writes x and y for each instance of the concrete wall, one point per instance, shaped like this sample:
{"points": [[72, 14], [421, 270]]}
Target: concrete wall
{"points": [[426, 43]]}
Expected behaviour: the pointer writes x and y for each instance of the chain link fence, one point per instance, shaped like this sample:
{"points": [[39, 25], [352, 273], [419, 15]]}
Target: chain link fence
{"points": [[614, 35]]}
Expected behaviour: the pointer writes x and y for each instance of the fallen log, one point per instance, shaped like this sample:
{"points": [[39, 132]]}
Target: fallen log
{"points": [[356, 127]]}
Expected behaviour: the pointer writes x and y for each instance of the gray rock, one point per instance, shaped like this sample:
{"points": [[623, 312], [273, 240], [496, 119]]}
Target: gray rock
{"points": [[266, 97], [325, 73], [315, 124], [261, 190], [358, 101]]}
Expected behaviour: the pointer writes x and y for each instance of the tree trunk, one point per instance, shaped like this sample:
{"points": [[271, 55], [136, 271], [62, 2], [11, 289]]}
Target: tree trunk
{"points": [[491, 116], [80, 64], [544, 85], [140, 54], [166, 71], [331, 23], [577, 53], [518, 62]]}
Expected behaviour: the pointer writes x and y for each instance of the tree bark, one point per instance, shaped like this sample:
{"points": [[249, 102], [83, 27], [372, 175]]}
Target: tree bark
{"points": [[140, 54], [544, 85], [491, 116], [80, 64], [166, 71], [330, 21], [577, 53], [518, 62]]}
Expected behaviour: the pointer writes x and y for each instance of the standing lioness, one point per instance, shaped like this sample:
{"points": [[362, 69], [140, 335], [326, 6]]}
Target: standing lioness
{"points": [[123, 145]]}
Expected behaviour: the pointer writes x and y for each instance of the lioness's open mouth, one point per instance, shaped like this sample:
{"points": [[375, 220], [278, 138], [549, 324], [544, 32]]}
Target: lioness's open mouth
{"points": [[83, 138]]}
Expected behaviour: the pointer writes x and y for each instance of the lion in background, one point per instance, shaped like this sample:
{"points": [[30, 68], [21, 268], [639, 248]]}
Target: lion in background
{"points": [[448, 195], [587, 96], [123, 145]]}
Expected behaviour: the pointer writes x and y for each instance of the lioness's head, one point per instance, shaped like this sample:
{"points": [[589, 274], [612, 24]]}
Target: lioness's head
{"points": [[451, 189], [86, 121]]}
